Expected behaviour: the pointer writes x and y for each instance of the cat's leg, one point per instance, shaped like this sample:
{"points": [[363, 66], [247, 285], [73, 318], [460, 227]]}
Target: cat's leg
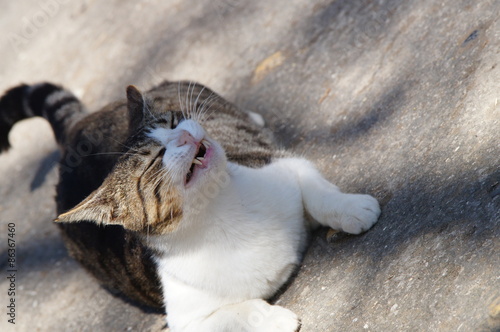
{"points": [[248, 316], [350, 213], [190, 309]]}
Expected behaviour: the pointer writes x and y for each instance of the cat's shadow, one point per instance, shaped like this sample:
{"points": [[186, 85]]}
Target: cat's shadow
{"points": [[44, 168]]}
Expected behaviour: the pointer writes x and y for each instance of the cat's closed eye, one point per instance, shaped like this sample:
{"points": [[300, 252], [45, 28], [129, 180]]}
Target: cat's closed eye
{"points": [[171, 120]]}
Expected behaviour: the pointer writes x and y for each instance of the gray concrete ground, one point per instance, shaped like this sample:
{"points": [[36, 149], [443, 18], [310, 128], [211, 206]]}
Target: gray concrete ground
{"points": [[394, 98]]}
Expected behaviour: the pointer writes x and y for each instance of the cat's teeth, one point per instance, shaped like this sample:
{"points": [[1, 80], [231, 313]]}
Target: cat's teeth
{"points": [[206, 143], [200, 158], [197, 162]]}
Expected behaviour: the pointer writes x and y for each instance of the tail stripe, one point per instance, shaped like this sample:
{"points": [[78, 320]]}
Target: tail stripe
{"points": [[38, 96], [12, 98], [60, 107], [60, 114]]}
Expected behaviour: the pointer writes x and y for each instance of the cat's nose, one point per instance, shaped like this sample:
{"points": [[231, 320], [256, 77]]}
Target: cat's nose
{"points": [[185, 138]]}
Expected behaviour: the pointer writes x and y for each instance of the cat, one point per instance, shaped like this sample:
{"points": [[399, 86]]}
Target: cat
{"points": [[176, 198]]}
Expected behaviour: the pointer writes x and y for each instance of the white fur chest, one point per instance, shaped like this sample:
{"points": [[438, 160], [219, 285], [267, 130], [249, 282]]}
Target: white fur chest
{"points": [[246, 242]]}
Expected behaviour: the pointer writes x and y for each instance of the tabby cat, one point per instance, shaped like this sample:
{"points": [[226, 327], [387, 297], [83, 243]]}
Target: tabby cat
{"points": [[175, 198]]}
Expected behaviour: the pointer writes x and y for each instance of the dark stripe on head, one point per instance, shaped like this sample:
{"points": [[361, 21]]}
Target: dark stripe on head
{"points": [[140, 192], [143, 201], [157, 195]]}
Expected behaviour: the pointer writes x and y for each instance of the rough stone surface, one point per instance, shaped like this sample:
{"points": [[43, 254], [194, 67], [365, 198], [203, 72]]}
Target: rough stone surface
{"points": [[398, 99]]}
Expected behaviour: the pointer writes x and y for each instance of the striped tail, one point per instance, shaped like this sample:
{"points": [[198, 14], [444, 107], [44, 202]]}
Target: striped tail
{"points": [[57, 105]]}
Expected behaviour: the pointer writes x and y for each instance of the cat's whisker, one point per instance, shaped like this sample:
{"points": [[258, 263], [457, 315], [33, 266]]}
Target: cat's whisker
{"points": [[162, 176], [207, 105], [196, 110], [184, 97], [156, 177], [146, 108], [191, 106], [200, 107], [184, 114], [196, 101], [188, 105], [153, 176], [174, 174], [122, 144], [210, 111], [165, 174], [113, 153]]}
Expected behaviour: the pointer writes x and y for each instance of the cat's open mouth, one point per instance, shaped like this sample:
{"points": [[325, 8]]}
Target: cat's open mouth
{"points": [[199, 159]]}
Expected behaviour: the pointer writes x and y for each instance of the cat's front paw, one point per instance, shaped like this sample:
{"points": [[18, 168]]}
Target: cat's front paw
{"points": [[359, 213], [273, 318]]}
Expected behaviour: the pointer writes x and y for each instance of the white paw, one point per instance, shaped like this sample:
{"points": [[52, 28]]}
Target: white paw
{"points": [[273, 318], [359, 213]]}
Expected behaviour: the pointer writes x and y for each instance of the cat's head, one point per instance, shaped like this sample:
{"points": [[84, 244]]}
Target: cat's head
{"points": [[169, 163]]}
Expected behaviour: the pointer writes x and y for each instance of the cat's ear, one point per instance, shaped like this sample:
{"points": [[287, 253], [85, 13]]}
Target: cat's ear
{"points": [[103, 206], [136, 104]]}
